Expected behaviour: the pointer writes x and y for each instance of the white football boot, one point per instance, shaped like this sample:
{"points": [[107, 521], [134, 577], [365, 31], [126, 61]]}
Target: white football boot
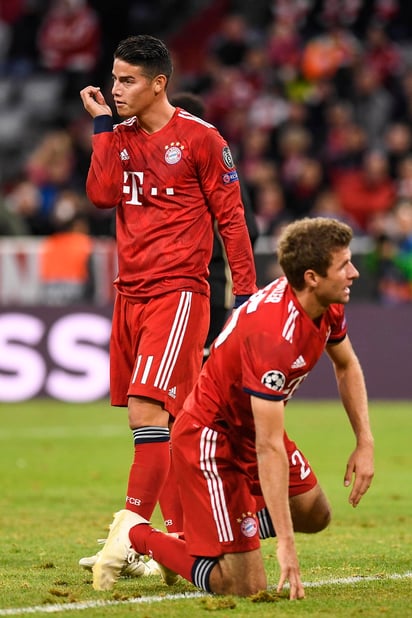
{"points": [[115, 555], [137, 566]]}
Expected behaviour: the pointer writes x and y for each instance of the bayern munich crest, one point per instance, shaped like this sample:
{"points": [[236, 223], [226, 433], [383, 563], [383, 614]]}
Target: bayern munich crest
{"points": [[173, 153], [248, 527]]}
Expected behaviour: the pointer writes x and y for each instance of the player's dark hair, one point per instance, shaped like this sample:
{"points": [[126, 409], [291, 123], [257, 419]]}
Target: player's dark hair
{"points": [[309, 243], [147, 52], [189, 101]]}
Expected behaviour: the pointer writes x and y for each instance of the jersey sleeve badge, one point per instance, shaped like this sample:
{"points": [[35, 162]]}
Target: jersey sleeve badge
{"points": [[227, 158], [274, 379], [230, 177]]}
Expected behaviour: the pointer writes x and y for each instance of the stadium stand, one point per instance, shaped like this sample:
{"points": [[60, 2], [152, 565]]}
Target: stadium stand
{"points": [[302, 130]]}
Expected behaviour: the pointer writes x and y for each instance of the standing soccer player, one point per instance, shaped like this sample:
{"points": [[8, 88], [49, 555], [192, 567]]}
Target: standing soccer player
{"points": [[232, 454], [170, 176], [219, 277]]}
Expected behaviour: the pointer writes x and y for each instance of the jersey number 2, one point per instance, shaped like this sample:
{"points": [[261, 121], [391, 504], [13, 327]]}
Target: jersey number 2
{"points": [[298, 459]]}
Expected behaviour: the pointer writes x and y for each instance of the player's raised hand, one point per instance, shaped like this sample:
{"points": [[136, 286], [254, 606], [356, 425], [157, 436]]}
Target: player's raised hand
{"points": [[94, 101]]}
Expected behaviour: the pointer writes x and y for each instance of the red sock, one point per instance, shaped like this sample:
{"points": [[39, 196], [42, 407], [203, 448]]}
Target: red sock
{"points": [[170, 505], [147, 477], [164, 548]]}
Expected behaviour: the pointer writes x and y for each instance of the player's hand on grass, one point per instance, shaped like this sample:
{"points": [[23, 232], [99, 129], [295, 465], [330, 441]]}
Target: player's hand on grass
{"points": [[289, 569], [360, 466]]}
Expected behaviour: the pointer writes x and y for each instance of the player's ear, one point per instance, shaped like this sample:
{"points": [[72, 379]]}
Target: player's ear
{"points": [[160, 83], [311, 278]]}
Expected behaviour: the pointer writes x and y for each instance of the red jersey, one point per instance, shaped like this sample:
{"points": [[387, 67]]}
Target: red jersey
{"points": [[266, 349], [70, 38], [168, 187]]}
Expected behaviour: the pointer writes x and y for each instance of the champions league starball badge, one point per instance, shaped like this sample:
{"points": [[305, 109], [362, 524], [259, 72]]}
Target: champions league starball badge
{"points": [[274, 379]]}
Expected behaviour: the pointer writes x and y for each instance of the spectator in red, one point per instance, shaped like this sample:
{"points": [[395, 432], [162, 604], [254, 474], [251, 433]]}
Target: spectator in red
{"points": [[366, 192], [284, 47], [382, 54], [293, 12], [230, 91], [69, 41]]}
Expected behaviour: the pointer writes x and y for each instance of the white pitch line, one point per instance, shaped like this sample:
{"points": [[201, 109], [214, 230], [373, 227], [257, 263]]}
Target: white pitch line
{"points": [[66, 607], [342, 581]]}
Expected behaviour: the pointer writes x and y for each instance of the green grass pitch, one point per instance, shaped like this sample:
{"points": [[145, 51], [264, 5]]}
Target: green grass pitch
{"points": [[63, 471]]}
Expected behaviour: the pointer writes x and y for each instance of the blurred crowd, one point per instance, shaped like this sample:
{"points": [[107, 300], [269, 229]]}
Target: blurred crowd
{"points": [[313, 96]]}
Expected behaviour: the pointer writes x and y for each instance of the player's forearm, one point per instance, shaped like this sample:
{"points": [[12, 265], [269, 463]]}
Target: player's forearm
{"points": [[241, 260], [229, 213], [274, 480], [105, 177], [353, 393]]}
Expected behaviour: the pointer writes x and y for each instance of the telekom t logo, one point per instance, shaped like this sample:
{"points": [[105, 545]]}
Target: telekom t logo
{"points": [[133, 186]]}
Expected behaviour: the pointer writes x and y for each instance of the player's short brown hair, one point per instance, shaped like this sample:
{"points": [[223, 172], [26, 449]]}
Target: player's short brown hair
{"points": [[147, 52], [309, 243]]}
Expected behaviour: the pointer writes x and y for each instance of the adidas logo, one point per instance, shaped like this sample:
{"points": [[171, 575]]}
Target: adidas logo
{"points": [[298, 363], [172, 392], [124, 155]]}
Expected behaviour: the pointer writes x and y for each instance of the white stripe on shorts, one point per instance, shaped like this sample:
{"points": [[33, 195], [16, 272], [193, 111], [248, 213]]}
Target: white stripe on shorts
{"points": [[215, 484], [174, 342], [146, 371], [139, 360]]}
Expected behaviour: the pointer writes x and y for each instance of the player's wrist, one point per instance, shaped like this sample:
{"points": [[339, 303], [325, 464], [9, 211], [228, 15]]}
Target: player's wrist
{"points": [[103, 124]]}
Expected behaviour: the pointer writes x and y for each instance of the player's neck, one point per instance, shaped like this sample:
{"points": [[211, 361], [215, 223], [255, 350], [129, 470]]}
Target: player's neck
{"points": [[310, 304], [156, 117]]}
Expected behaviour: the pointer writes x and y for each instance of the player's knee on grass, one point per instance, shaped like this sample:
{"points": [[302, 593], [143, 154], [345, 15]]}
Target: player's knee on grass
{"points": [[310, 511], [239, 574]]}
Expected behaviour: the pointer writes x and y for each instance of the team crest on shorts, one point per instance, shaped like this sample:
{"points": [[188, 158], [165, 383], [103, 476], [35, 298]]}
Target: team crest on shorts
{"points": [[248, 525], [173, 153]]}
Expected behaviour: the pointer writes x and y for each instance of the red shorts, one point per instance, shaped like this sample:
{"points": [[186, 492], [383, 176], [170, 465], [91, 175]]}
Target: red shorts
{"points": [[301, 476], [216, 491], [156, 347]]}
